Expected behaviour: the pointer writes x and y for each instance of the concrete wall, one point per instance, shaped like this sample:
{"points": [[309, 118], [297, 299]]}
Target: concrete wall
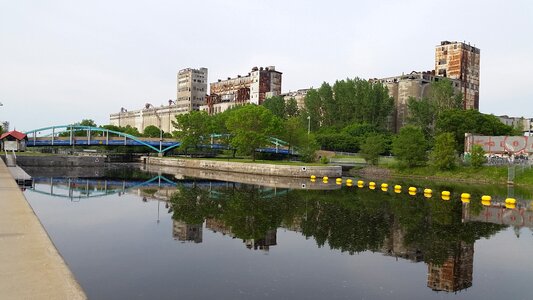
{"points": [[61, 161], [249, 168]]}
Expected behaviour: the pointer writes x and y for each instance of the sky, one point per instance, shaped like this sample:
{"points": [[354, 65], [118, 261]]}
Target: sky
{"points": [[64, 61]]}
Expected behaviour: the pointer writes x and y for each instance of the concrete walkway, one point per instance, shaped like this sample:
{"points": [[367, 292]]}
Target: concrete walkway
{"points": [[30, 266]]}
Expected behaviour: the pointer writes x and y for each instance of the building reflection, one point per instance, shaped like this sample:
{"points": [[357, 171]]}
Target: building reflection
{"points": [[184, 232], [269, 239], [455, 273]]}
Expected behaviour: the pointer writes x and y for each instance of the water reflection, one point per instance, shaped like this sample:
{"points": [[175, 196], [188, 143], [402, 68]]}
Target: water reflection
{"points": [[439, 233]]}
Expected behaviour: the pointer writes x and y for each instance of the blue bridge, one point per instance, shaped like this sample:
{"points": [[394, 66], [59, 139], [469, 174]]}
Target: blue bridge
{"points": [[68, 135]]}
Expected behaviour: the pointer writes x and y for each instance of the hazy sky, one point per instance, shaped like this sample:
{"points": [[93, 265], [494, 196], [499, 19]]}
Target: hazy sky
{"points": [[63, 61]]}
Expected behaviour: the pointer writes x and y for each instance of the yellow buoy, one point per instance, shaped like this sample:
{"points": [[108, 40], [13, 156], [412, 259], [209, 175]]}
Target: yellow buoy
{"points": [[313, 180], [465, 195], [412, 189], [371, 183], [349, 184], [510, 205], [510, 201], [428, 195], [412, 193], [486, 198], [428, 191], [445, 193], [485, 202], [465, 200], [384, 189], [313, 177], [398, 187], [349, 181], [446, 198], [384, 185], [325, 178], [360, 182]]}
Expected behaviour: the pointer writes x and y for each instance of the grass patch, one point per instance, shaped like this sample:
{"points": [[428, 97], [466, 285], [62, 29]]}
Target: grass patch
{"points": [[257, 161]]}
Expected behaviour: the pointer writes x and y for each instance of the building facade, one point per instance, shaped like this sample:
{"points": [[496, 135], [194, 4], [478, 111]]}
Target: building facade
{"points": [[254, 88], [298, 95], [521, 123], [191, 89], [403, 87], [460, 61], [160, 117]]}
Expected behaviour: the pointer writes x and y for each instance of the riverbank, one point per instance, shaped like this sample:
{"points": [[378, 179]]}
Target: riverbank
{"points": [[300, 171], [492, 175], [31, 265]]}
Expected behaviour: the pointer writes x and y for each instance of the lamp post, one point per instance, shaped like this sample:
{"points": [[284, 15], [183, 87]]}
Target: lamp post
{"points": [[308, 125]]}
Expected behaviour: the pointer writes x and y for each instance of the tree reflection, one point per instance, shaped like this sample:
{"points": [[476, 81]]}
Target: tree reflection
{"points": [[349, 220]]}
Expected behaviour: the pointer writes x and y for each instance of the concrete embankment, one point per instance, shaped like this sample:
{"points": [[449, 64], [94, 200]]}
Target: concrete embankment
{"points": [[248, 168], [262, 180], [31, 267]]}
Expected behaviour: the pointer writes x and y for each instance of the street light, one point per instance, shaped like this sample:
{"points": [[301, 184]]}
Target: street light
{"points": [[308, 125]]}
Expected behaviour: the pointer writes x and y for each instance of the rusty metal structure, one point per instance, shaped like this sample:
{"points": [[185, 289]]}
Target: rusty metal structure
{"points": [[458, 60]]}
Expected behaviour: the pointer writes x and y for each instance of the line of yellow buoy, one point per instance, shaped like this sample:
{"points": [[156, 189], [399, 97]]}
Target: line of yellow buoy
{"points": [[428, 193]]}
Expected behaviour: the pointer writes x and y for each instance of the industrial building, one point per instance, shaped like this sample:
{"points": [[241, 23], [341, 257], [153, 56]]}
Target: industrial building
{"points": [[401, 88], [191, 94], [192, 89], [460, 61], [254, 88]]}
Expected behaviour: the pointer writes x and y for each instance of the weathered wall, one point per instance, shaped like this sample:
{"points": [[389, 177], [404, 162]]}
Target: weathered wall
{"points": [[262, 180], [61, 161], [500, 144], [249, 168]]}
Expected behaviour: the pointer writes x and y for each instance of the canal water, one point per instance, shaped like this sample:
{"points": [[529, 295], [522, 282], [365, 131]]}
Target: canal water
{"points": [[128, 233]]}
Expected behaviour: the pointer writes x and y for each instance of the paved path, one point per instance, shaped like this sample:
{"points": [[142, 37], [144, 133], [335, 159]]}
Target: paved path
{"points": [[30, 266]]}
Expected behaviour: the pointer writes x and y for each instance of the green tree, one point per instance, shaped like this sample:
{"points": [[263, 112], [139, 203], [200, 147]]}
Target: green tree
{"points": [[372, 147], [152, 131], [291, 108], [313, 110], [294, 132], [409, 146], [443, 156], [307, 148], [425, 112], [87, 122], [276, 105], [193, 128], [477, 156], [422, 113], [251, 126], [458, 122], [444, 96]]}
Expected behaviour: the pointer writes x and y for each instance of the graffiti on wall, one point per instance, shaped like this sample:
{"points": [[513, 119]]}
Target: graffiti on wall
{"points": [[516, 145]]}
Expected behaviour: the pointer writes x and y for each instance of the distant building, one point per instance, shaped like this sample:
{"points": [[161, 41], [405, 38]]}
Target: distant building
{"points": [[192, 89], [298, 95], [524, 124], [254, 88], [160, 117], [403, 87], [460, 61], [13, 141]]}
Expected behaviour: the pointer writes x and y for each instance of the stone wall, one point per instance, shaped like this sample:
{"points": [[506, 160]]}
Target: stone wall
{"points": [[249, 168]]}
